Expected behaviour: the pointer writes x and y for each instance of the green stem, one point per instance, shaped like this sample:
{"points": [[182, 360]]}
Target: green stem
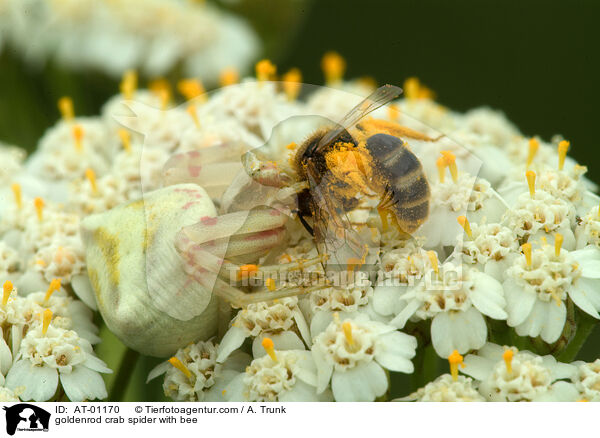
{"points": [[585, 326], [123, 375]]}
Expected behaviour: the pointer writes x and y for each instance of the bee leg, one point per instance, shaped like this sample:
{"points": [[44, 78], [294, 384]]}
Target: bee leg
{"points": [[304, 223]]}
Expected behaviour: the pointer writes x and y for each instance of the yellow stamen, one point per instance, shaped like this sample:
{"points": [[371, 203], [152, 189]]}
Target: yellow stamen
{"points": [[91, 177], [508, 357], [191, 89], [39, 207], [129, 84], [65, 106], [268, 345], [265, 70], [450, 160], [8, 287], [46, 318], [292, 83], [464, 222], [193, 112], [271, 284], [333, 66], [77, 132], [393, 112], [583, 400], [54, 286], [412, 87], [16, 188], [526, 248], [246, 270], [534, 145], [530, 175], [229, 76], [165, 98], [125, 137], [347, 327], [563, 147], [291, 146], [441, 165], [558, 241], [455, 359], [433, 260], [180, 366], [162, 88]]}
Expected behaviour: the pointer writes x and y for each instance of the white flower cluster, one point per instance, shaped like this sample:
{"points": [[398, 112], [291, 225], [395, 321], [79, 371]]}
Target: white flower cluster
{"points": [[153, 36], [510, 243]]}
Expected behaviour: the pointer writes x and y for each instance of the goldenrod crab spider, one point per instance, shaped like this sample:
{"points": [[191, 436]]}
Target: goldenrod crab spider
{"points": [[158, 264]]}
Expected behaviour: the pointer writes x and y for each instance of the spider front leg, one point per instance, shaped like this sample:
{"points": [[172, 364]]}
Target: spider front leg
{"points": [[218, 252]]}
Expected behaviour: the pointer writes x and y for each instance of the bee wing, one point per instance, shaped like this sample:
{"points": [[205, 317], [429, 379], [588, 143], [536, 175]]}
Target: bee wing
{"points": [[377, 99], [333, 230]]}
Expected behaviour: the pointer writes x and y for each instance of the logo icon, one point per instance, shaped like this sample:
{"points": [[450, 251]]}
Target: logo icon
{"points": [[26, 417]]}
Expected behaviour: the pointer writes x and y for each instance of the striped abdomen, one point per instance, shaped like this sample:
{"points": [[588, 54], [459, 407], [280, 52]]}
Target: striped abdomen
{"points": [[402, 180]]}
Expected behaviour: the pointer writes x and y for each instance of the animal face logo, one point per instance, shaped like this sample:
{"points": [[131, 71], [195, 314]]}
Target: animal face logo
{"points": [[26, 417]]}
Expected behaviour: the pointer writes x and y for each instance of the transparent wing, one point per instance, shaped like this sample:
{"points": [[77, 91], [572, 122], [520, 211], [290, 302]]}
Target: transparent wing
{"points": [[377, 99]]}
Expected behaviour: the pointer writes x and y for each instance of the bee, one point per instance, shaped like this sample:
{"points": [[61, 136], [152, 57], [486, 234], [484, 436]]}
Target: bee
{"points": [[361, 158]]}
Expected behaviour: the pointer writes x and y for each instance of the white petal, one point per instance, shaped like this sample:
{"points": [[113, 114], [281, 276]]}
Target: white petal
{"points": [[40, 382], [585, 296], [488, 296], [477, 367], [556, 315], [385, 299], [559, 392], [363, 383], [394, 351], [519, 303], [460, 331], [281, 341], [96, 364], [158, 370], [302, 326], [6, 358], [402, 317], [233, 339], [84, 290], [324, 369], [319, 322], [300, 392], [235, 390], [83, 384]]}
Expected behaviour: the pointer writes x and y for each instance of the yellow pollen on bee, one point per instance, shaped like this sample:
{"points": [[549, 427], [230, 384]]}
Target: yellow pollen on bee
{"points": [[558, 241], [128, 84], [7, 290], [464, 222], [530, 175], [434, 261], [333, 66], [271, 284], [292, 83], [450, 160], [347, 328], [77, 133], [191, 89], [65, 106], [508, 357], [229, 76], [246, 270], [46, 318], [125, 138], [267, 344], [455, 359], [526, 248], [16, 189], [91, 177], [38, 203], [180, 366], [54, 286], [441, 165], [563, 147], [193, 112], [534, 145], [265, 70], [291, 146]]}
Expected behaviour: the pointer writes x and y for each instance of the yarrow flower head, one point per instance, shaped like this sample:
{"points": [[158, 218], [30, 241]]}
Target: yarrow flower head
{"points": [[447, 389], [353, 354]]}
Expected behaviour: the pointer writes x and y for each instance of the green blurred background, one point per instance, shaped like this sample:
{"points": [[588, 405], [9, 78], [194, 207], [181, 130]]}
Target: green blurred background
{"points": [[535, 60]]}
